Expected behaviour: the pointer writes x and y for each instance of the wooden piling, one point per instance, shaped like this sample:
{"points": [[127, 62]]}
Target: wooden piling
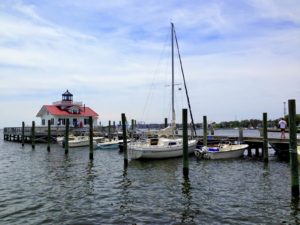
{"points": [[249, 151], [256, 151], [109, 130], [132, 126], [265, 138], [293, 149], [49, 136], [91, 137], [212, 131], [241, 135], [204, 131], [124, 139], [33, 135], [23, 133], [185, 144], [66, 140], [166, 122]]}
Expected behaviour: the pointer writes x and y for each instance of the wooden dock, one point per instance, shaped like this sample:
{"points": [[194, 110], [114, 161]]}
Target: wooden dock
{"points": [[41, 133], [281, 146]]}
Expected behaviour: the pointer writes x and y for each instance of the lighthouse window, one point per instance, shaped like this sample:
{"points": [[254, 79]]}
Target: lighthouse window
{"points": [[43, 122], [52, 121]]}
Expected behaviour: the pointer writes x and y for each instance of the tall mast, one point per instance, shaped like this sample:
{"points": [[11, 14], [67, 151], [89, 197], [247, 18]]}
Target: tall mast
{"points": [[173, 108], [186, 91]]}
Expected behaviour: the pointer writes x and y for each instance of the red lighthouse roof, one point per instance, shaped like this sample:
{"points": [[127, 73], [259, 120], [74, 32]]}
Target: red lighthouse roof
{"points": [[55, 110]]}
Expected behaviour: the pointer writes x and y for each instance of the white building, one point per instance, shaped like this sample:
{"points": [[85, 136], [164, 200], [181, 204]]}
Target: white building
{"points": [[60, 111]]}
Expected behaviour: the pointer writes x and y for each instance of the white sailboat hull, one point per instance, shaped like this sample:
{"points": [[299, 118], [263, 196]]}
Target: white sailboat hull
{"points": [[143, 151]]}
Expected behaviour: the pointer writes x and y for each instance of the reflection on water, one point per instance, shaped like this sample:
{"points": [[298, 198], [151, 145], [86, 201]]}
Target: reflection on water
{"points": [[295, 210], [40, 187], [187, 212]]}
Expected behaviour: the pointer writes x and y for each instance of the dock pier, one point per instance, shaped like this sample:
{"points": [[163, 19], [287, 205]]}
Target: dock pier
{"points": [[255, 143], [17, 134], [24, 134]]}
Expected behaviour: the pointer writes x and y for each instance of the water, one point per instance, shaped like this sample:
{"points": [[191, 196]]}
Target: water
{"points": [[38, 187]]}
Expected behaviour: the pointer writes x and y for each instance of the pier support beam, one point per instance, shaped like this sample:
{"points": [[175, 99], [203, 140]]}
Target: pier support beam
{"points": [[166, 122], [132, 127], [33, 135], [212, 131], [249, 151], [109, 130], [91, 137], [23, 133], [185, 144], [256, 151], [124, 139], [66, 140], [204, 131], [241, 135], [265, 138], [49, 136], [293, 149]]}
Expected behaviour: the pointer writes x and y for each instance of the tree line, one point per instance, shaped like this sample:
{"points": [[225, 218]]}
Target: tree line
{"points": [[250, 123]]}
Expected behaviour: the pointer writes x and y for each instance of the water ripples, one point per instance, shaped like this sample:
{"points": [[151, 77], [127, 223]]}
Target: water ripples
{"points": [[38, 187]]}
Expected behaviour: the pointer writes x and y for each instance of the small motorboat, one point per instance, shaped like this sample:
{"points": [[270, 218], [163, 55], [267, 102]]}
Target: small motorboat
{"points": [[107, 144], [77, 141], [221, 151]]}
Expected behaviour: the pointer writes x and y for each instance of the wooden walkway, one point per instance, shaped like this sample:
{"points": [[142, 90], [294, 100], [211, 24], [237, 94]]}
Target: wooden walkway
{"points": [[41, 133]]}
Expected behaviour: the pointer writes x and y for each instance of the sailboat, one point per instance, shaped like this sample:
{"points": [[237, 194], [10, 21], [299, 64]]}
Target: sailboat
{"points": [[166, 145]]}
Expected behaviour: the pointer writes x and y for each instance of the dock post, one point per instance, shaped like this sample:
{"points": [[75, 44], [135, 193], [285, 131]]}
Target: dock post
{"points": [[23, 133], [249, 151], [49, 136], [66, 141], [91, 137], [185, 144], [204, 131], [124, 139], [241, 135], [132, 126], [109, 130], [293, 149], [212, 131], [33, 135], [257, 151], [166, 122], [265, 138]]}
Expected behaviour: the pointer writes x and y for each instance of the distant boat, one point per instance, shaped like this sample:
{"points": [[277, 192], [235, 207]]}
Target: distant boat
{"points": [[107, 144], [166, 145], [221, 151], [78, 141]]}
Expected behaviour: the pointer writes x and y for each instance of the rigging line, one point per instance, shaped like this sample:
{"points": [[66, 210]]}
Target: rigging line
{"points": [[186, 91], [150, 93]]}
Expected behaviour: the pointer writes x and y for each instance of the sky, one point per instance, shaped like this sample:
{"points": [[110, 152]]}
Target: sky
{"points": [[240, 58]]}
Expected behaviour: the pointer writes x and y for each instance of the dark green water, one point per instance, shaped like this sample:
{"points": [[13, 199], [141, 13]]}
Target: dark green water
{"points": [[38, 187]]}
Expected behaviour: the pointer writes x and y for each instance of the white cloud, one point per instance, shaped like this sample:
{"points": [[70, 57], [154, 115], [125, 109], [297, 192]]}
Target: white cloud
{"points": [[107, 54]]}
